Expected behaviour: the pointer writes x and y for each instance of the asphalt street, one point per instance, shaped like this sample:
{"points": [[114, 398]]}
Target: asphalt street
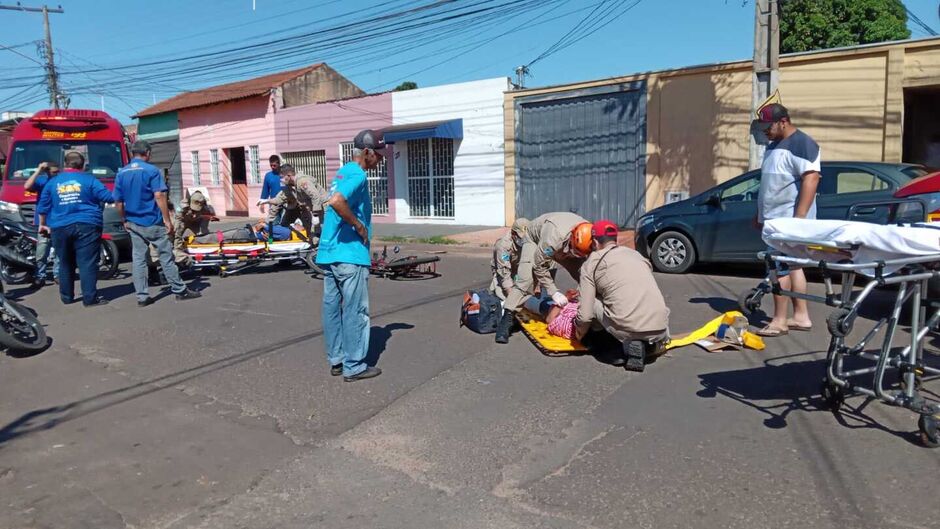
{"points": [[221, 413]]}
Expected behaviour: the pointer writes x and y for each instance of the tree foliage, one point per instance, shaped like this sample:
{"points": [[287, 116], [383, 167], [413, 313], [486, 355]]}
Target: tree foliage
{"points": [[807, 25], [407, 85]]}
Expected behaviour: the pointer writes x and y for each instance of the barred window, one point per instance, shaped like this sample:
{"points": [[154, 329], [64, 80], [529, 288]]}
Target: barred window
{"points": [[214, 166], [431, 177], [194, 161], [255, 163], [378, 179], [311, 163]]}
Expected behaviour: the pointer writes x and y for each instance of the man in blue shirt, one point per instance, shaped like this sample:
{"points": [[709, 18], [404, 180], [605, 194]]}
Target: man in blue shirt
{"points": [[140, 196], [35, 183], [271, 185], [344, 257], [71, 208]]}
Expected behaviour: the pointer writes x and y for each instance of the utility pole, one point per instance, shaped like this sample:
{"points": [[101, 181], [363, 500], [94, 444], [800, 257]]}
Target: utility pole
{"points": [[766, 64], [52, 77], [521, 73]]}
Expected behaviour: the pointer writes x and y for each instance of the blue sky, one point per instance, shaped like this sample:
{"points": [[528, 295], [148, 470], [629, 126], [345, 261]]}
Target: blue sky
{"points": [[99, 34]]}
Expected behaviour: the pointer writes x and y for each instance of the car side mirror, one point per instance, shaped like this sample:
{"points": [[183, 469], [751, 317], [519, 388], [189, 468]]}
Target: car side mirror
{"points": [[713, 200]]}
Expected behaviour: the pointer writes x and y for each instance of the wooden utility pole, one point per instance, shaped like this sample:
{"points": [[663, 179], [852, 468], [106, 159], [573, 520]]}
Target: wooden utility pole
{"points": [[766, 64], [52, 77]]}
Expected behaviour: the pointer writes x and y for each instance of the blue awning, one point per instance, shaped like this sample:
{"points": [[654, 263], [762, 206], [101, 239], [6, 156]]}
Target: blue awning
{"points": [[430, 129]]}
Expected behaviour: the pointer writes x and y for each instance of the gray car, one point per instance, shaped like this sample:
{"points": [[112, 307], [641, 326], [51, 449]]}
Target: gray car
{"points": [[717, 226]]}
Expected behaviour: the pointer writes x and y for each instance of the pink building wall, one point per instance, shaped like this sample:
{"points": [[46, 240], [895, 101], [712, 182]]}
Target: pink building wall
{"points": [[324, 126], [235, 124]]}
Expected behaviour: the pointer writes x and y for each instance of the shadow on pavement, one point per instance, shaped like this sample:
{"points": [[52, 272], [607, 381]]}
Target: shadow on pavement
{"points": [[780, 387], [378, 339], [48, 418]]}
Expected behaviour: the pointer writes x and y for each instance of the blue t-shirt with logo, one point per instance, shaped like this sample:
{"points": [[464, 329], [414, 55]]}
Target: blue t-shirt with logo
{"points": [[73, 197], [38, 184], [135, 185], [339, 242]]}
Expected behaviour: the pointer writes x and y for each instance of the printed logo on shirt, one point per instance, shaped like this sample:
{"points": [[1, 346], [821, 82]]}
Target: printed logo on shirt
{"points": [[548, 252], [505, 257], [69, 192]]}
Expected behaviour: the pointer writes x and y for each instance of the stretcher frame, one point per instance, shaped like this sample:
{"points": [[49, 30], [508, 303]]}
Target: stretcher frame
{"points": [[911, 280], [231, 258]]}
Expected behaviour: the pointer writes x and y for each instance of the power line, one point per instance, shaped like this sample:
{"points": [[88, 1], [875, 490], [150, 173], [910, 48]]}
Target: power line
{"points": [[914, 18]]}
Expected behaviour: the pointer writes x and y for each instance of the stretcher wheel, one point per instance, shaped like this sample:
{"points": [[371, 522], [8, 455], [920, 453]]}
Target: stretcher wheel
{"points": [[838, 323], [929, 426], [749, 301], [833, 395]]}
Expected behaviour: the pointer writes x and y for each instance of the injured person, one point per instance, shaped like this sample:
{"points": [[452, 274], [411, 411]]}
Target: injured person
{"points": [[619, 294], [559, 320]]}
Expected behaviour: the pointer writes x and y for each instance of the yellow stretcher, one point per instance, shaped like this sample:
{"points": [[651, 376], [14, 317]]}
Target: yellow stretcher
{"points": [[548, 344]]}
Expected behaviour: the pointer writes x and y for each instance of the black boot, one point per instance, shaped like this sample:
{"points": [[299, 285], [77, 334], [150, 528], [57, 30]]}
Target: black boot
{"points": [[504, 326], [635, 353]]}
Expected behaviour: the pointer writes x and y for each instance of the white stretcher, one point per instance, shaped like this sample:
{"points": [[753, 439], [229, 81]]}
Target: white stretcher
{"points": [[904, 257], [239, 249]]}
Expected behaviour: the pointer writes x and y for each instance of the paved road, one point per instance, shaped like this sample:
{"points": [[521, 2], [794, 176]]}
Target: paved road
{"points": [[221, 413]]}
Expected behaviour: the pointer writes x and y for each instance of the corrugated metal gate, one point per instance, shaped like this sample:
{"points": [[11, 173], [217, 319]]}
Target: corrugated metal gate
{"points": [[582, 151], [165, 155]]}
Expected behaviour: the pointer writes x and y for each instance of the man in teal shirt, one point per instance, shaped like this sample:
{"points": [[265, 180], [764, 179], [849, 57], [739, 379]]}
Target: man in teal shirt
{"points": [[344, 257]]}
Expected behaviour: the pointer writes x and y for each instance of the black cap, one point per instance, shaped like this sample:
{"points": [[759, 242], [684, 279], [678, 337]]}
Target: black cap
{"points": [[369, 139], [772, 113], [140, 147]]}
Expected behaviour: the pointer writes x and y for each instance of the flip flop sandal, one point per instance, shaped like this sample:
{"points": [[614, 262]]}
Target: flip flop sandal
{"points": [[770, 332], [801, 328]]}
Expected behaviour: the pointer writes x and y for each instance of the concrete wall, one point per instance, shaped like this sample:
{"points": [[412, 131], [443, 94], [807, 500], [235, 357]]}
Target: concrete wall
{"points": [[478, 165], [233, 124], [851, 101], [321, 84], [326, 125]]}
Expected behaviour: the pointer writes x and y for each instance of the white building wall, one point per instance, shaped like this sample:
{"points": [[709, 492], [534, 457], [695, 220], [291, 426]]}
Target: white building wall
{"points": [[479, 190]]}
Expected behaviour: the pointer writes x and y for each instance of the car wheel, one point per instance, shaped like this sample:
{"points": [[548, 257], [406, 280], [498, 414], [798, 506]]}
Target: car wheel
{"points": [[672, 253]]}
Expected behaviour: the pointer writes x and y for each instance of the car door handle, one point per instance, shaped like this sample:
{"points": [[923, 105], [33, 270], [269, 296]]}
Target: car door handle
{"points": [[865, 211]]}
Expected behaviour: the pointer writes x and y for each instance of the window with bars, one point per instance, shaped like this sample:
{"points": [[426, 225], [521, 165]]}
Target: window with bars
{"points": [[311, 163], [214, 166], [378, 180], [255, 163], [431, 177], [194, 161]]}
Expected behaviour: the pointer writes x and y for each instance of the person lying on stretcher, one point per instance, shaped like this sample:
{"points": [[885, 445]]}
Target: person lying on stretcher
{"points": [[560, 320]]}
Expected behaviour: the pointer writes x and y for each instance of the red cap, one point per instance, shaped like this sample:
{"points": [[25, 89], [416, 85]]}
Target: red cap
{"points": [[604, 228]]}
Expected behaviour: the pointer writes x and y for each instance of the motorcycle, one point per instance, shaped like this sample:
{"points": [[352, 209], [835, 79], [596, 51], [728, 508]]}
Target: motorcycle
{"points": [[18, 254], [20, 330]]}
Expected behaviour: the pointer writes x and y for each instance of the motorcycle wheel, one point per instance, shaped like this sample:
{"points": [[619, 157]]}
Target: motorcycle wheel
{"points": [[20, 329], [13, 274], [108, 262], [311, 261]]}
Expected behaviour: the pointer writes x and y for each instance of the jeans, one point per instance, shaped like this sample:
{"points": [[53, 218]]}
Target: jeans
{"points": [[346, 316], [141, 239], [43, 248], [78, 245]]}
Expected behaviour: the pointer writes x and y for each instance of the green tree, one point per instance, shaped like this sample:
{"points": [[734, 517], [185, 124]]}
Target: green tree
{"points": [[807, 25], [407, 85]]}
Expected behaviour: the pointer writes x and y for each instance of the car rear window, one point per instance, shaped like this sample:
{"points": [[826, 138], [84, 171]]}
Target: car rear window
{"points": [[914, 171]]}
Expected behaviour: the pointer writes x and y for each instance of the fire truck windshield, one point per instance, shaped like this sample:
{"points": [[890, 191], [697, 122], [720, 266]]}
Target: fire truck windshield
{"points": [[102, 158]]}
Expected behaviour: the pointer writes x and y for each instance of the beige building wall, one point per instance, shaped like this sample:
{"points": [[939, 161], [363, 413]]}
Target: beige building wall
{"points": [[698, 119]]}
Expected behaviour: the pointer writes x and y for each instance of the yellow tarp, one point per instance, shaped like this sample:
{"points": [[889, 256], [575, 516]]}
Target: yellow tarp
{"points": [[537, 331], [751, 340]]}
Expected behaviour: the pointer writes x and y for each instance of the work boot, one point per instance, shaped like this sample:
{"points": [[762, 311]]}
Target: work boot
{"points": [[635, 353], [504, 326]]}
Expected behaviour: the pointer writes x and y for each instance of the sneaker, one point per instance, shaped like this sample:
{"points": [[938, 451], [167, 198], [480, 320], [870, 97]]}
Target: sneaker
{"points": [[188, 294], [635, 351], [98, 301], [370, 372], [144, 302], [336, 370]]}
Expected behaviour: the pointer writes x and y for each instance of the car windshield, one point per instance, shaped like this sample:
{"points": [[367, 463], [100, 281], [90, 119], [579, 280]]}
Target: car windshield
{"points": [[103, 158]]}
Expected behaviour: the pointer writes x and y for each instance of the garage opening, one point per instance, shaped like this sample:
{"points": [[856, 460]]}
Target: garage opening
{"points": [[922, 126]]}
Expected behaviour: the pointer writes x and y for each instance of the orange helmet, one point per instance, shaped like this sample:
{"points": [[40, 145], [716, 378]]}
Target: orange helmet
{"points": [[581, 238]]}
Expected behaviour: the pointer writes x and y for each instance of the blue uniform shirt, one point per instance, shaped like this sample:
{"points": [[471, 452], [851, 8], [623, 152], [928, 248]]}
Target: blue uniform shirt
{"points": [[135, 185], [39, 183], [73, 197], [271, 185], [339, 242]]}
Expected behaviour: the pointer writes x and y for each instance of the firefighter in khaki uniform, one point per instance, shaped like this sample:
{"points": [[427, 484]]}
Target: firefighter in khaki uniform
{"points": [[505, 260], [192, 219], [300, 197], [562, 237], [619, 294]]}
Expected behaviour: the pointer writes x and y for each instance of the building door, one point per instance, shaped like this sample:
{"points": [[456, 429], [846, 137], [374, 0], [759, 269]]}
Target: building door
{"points": [[921, 142], [236, 158], [583, 151]]}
